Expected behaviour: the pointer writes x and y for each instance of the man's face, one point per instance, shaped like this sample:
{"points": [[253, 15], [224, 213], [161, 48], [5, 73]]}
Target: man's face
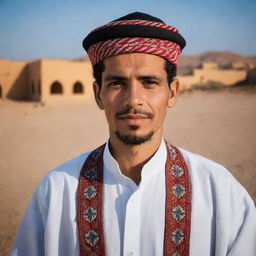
{"points": [[135, 95]]}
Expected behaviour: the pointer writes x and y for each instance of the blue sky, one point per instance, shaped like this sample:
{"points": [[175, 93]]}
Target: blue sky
{"points": [[32, 29]]}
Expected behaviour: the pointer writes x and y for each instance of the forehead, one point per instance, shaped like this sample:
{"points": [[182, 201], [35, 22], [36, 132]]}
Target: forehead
{"points": [[138, 63]]}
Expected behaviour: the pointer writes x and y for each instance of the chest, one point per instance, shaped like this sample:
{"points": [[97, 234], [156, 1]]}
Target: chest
{"points": [[134, 217]]}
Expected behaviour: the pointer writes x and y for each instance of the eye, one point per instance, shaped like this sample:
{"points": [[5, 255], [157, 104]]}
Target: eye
{"points": [[116, 84], [150, 83]]}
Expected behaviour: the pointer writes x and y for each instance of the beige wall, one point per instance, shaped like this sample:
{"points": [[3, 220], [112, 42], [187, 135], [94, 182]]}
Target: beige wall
{"points": [[186, 82], [210, 72], [210, 65], [34, 80], [67, 73], [239, 65], [13, 79], [227, 77]]}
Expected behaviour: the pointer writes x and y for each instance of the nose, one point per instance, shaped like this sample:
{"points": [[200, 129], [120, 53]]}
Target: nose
{"points": [[134, 94]]}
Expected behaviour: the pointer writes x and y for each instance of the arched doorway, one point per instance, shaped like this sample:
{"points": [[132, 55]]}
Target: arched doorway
{"points": [[78, 88], [56, 88]]}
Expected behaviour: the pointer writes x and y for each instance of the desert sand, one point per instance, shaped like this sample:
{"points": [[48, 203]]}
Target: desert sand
{"points": [[35, 138]]}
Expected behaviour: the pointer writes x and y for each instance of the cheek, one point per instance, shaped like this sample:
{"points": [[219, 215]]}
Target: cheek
{"points": [[159, 104], [112, 102], [108, 97], [110, 108]]}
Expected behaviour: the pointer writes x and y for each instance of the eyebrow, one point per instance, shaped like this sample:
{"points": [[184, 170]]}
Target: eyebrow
{"points": [[150, 77], [113, 77], [122, 78]]}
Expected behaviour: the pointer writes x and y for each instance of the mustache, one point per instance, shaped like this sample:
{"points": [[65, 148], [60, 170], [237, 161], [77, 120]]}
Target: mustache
{"points": [[133, 111]]}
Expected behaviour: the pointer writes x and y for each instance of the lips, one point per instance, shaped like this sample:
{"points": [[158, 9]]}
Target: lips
{"points": [[133, 116], [133, 119]]}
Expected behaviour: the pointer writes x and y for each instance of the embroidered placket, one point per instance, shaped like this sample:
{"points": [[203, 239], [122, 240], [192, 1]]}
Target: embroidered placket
{"points": [[177, 205], [90, 205]]}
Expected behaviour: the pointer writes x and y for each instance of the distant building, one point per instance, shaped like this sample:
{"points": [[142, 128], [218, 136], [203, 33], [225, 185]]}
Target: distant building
{"points": [[211, 72], [45, 79], [210, 66], [52, 79], [240, 65]]}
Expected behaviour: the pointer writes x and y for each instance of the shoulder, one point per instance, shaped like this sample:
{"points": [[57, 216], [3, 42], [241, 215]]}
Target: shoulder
{"points": [[64, 176], [210, 176], [69, 168], [220, 201], [200, 165]]}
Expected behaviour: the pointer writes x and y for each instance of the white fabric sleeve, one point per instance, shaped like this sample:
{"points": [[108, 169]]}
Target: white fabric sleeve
{"points": [[243, 213], [30, 237]]}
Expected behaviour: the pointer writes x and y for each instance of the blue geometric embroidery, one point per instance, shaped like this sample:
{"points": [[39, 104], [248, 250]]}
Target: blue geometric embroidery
{"points": [[92, 238], [90, 192], [173, 152], [90, 214], [178, 213], [177, 236], [92, 174], [178, 190], [177, 171], [95, 155]]}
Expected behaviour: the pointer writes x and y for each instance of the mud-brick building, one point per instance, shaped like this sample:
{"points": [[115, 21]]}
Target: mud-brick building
{"points": [[55, 79], [211, 72], [45, 79]]}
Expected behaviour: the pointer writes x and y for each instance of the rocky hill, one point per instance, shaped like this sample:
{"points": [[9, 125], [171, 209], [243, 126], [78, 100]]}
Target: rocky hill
{"points": [[224, 59]]}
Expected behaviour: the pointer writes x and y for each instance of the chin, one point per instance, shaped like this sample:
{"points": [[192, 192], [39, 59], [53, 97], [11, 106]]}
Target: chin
{"points": [[134, 138]]}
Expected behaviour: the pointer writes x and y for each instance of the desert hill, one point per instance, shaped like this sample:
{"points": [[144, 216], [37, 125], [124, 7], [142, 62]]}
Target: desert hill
{"points": [[224, 59]]}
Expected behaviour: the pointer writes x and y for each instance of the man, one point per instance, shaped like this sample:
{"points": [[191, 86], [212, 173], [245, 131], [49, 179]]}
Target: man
{"points": [[137, 195]]}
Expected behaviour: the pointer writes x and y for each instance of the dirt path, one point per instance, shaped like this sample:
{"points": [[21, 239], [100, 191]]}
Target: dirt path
{"points": [[34, 139]]}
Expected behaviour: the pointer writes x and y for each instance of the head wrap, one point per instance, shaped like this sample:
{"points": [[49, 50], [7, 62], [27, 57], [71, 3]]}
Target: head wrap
{"points": [[135, 32]]}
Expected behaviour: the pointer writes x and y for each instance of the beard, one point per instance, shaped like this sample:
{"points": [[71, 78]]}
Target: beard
{"points": [[133, 139], [128, 139]]}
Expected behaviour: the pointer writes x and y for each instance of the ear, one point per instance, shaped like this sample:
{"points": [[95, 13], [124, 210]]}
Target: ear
{"points": [[96, 90], [174, 90]]}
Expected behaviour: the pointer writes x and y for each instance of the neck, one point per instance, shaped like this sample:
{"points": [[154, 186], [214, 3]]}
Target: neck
{"points": [[132, 158]]}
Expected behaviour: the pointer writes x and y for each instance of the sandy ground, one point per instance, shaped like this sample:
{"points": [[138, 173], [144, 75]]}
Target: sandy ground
{"points": [[34, 139]]}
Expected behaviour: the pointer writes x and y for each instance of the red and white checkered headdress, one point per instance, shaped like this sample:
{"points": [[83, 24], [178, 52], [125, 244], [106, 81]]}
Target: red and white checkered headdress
{"points": [[135, 32]]}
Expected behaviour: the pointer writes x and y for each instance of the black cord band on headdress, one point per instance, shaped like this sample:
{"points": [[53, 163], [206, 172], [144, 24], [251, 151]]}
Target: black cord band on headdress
{"points": [[119, 31]]}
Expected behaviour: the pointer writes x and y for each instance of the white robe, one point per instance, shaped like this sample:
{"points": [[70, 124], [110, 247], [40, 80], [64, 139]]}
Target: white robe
{"points": [[223, 220]]}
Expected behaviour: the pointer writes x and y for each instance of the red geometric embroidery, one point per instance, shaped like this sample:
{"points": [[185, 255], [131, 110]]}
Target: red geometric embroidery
{"points": [[178, 204], [90, 205], [177, 208]]}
